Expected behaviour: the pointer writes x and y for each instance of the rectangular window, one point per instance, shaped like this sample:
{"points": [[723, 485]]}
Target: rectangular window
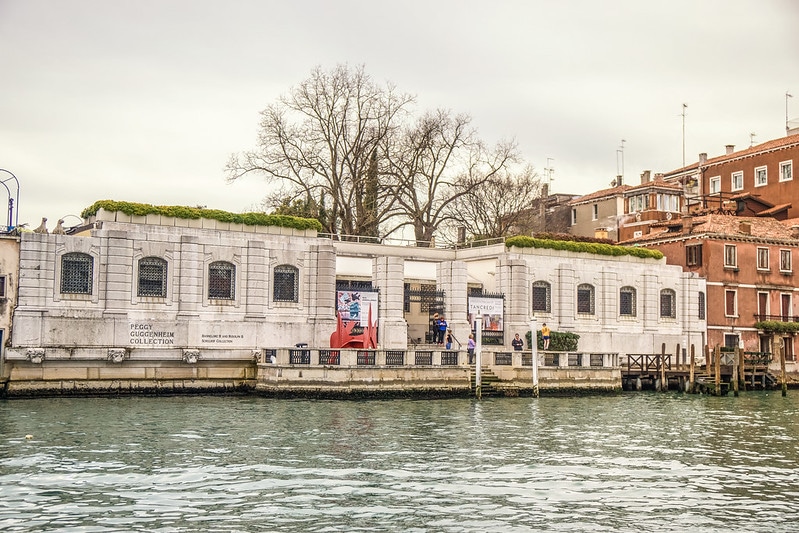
{"points": [[715, 184], [785, 260], [668, 308], [761, 176], [701, 300], [693, 255], [787, 346], [221, 281], [762, 258], [730, 300], [762, 306], [627, 302], [730, 340], [786, 171], [730, 256], [77, 271], [585, 300], [541, 297], [595, 212], [785, 307], [737, 181], [2, 286], [574, 216]]}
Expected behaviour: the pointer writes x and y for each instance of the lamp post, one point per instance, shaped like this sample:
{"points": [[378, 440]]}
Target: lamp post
{"points": [[13, 221]]}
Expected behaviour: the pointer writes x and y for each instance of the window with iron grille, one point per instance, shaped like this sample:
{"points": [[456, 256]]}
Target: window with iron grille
{"points": [[542, 297], [152, 277], [221, 281], [627, 302], [76, 273], [693, 255], [585, 299], [287, 286], [701, 305], [668, 309]]}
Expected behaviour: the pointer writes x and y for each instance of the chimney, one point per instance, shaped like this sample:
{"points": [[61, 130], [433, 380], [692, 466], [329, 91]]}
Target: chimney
{"points": [[730, 148], [703, 158], [745, 227], [687, 224], [646, 176]]}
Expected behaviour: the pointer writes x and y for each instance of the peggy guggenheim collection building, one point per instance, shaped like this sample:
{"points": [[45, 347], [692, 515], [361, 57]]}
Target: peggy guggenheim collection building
{"points": [[153, 301]]}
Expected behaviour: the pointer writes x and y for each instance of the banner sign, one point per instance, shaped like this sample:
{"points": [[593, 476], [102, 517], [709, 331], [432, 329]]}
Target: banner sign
{"points": [[491, 309], [355, 305]]}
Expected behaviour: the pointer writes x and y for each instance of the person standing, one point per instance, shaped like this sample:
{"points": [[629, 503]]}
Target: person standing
{"points": [[517, 343], [470, 344], [442, 329], [545, 333], [448, 345]]}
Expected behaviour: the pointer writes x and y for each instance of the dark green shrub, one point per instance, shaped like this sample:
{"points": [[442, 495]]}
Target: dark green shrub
{"points": [[559, 341], [598, 248]]}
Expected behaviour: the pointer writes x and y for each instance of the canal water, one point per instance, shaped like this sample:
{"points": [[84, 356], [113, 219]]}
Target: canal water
{"points": [[631, 462]]}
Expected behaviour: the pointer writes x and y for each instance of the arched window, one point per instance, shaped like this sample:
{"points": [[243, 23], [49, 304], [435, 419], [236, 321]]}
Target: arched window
{"points": [[286, 284], [668, 303], [627, 301], [221, 281], [585, 299], [77, 272], [542, 297], [152, 277]]}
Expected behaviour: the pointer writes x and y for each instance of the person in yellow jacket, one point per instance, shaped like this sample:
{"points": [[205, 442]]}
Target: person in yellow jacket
{"points": [[545, 332]]}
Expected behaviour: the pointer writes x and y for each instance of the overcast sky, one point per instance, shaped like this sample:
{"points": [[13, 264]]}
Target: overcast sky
{"points": [[145, 100]]}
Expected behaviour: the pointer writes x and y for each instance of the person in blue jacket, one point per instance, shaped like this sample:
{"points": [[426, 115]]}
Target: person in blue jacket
{"points": [[442, 329]]}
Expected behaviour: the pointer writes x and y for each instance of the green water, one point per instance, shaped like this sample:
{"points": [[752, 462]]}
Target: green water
{"points": [[637, 461]]}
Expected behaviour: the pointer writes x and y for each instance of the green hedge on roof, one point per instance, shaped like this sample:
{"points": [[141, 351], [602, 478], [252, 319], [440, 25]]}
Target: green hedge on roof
{"points": [[179, 211], [522, 241]]}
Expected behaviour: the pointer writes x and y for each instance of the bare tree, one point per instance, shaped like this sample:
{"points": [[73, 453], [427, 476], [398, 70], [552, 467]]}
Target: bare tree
{"points": [[499, 205], [434, 163], [321, 140]]}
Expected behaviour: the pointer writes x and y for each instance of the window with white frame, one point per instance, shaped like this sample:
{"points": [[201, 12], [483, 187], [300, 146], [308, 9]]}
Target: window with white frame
{"points": [[542, 297], [737, 181], [762, 305], [786, 306], [761, 176], [785, 261], [731, 303], [668, 303], [786, 171], [574, 216], [585, 299], [627, 302], [730, 256], [594, 212], [668, 202], [638, 202], [715, 185], [762, 258]]}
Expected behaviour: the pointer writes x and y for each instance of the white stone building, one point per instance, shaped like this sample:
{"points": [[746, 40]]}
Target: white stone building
{"points": [[200, 300]]}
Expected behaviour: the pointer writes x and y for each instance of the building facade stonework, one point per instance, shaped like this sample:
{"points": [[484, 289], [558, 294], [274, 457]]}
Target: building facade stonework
{"points": [[144, 303]]}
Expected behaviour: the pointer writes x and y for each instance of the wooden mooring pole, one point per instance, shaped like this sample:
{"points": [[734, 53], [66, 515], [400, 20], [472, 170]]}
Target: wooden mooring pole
{"points": [[735, 371], [742, 370], [691, 371], [664, 385], [717, 370], [783, 377]]}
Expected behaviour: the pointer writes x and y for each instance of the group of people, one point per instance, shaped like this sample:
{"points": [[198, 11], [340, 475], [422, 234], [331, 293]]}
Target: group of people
{"points": [[518, 343], [443, 335]]}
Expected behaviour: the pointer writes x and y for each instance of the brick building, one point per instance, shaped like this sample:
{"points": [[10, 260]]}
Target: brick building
{"points": [[748, 263]]}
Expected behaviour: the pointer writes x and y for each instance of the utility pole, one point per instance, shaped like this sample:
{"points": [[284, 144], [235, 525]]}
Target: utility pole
{"points": [[787, 95], [620, 172]]}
